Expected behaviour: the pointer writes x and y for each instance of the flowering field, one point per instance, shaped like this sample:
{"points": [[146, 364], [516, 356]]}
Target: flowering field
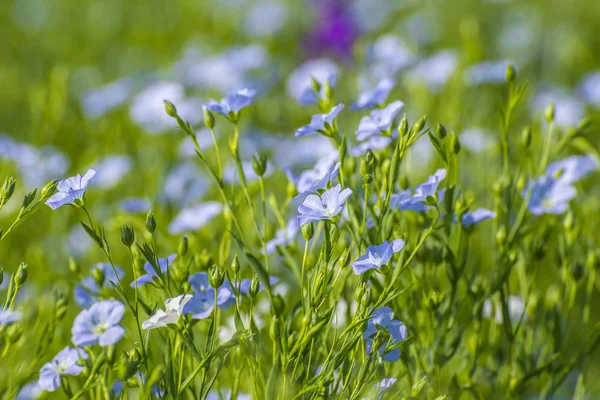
{"points": [[299, 199]]}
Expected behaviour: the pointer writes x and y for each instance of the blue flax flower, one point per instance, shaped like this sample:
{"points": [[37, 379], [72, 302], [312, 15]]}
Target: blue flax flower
{"points": [[320, 123], [99, 324], [231, 105], [377, 256], [86, 292], [415, 201], [374, 143], [202, 303], [474, 217], [70, 190], [163, 263], [193, 218], [374, 97], [65, 363], [382, 319], [378, 121], [283, 237], [312, 180], [328, 205], [9, 317]]}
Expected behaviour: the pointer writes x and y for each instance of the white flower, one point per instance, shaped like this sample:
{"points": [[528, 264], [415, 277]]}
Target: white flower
{"points": [[171, 313]]}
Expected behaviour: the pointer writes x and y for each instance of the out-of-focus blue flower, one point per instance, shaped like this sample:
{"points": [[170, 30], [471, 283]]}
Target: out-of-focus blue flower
{"points": [[383, 319], [193, 218], [265, 18], [378, 121], [170, 315], [374, 97], [99, 324], [8, 317], [318, 122], [163, 264], [230, 173], [388, 55], [313, 180], [78, 242], [66, 362], [231, 105], [374, 143], [136, 205], [487, 72], [30, 391], [299, 84], [415, 202], [283, 237], [201, 305], [110, 170], [70, 189], [184, 184], [474, 217], [552, 192], [326, 206], [435, 70], [384, 385], [569, 110], [589, 88], [98, 102], [477, 140], [148, 109], [86, 292], [377, 256]]}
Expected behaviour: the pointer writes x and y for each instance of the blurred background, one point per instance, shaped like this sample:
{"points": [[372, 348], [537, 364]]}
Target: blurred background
{"points": [[83, 83]]}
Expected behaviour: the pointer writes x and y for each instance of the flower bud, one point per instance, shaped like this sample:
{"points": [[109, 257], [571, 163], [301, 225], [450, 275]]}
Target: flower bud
{"points": [[21, 275], [308, 231], [216, 277], [127, 235], [591, 260], [526, 137], [345, 258], [511, 73], [111, 354], [419, 124], [441, 131], [235, 265], [14, 333], [275, 331], [569, 221], [183, 246], [61, 305], [7, 190], [291, 190], [254, 286], [150, 222], [73, 266], [209, 118], [259, 164], [577, 271], [501, 235], [99, 276], [498, 188], [28, 198], [368, 178], [549, 113], [170, 108], [454, 143], [278, 305], [403, 127]]}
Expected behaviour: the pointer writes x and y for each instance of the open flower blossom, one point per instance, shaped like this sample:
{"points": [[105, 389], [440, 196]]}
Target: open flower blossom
{"points": [[326, 206], [66, 362], [377, 256], [312, 180], [374, 97], [283, 237], [378, 121], [320, 123], [99, 324], [86, 292], [232, 104], [382, 319], [193, 218], [415, 201], [552, 192], [170, 315], [9, 317], [163, 264], [475, 217], [69, 190], [201, 305]]}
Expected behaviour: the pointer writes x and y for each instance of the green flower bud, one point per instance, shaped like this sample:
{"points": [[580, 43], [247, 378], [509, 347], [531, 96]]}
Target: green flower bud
{"points": [[520, 184], [418, 386], [183, 246], [403, 127], [259, 164], [275, 331], [315, 84], [441, 131], [591, 261], [419, 124], [454, 143], [278, 305], [235, 266], [216, 277], [21, 275], [7, 190], [127, 235], [526, 137], [549, 113], [111, 354], [61, 305], [254, 286], [73, 266], [291, 190], [14, 333], [99, 276], [170, 108], [498, 188], [308, 231], [501, 236], [31, 195], [150, 222], [209, 118], [343, 149], [368, 178], [511, 73], [569, 221]]}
